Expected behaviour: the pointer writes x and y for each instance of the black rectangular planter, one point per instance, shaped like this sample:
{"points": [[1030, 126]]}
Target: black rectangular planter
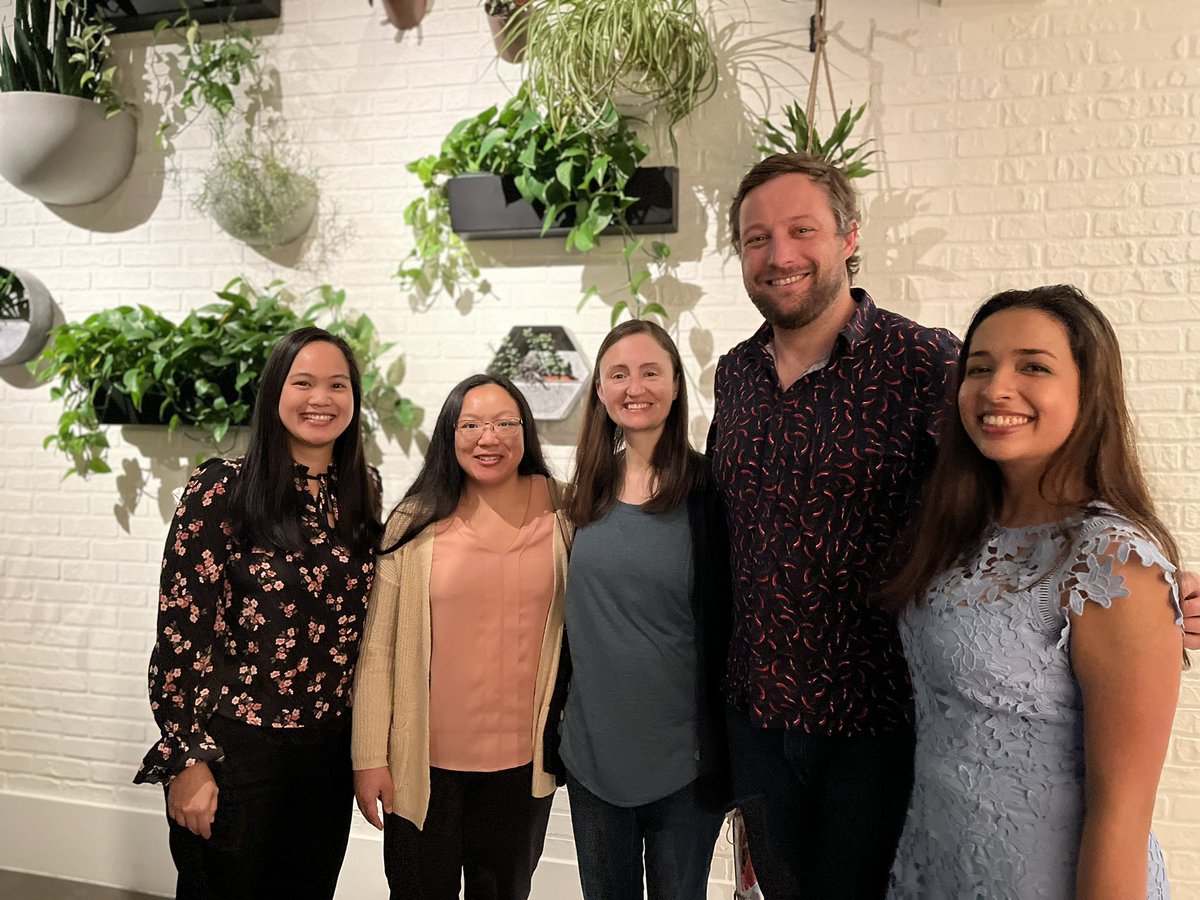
{"points": [[490, 206], [143, 15]]}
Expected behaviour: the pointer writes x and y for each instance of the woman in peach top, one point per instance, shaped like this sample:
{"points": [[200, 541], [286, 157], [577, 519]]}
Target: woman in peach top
{"points": [[459, 656]]}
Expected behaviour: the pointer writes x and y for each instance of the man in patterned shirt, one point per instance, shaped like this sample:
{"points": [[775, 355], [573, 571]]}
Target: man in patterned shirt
{"points": [[824, 428]]}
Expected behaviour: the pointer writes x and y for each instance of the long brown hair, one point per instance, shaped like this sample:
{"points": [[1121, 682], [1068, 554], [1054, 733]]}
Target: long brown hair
{"points": [[964, 492], [600, 459]]}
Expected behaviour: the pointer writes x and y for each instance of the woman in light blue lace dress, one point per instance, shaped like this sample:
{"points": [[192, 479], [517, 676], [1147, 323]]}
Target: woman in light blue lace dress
{"points": [[1041, 624]]}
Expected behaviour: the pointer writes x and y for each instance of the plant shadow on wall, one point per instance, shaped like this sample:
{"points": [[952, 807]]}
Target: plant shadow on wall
{"points": [[131, 366], [562, 149], [259, 186]]}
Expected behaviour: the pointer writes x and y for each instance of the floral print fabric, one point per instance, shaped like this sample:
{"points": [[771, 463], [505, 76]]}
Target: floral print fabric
{"points": [[264, 637], [997, 802]]}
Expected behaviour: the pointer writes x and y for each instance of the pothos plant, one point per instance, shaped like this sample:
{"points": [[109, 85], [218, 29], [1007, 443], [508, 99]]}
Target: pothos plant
{"points": [[579, 174], [201, 373]]}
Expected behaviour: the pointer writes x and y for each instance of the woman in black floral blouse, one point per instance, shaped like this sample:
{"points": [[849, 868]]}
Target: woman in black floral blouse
{"points": [[265, 578]]}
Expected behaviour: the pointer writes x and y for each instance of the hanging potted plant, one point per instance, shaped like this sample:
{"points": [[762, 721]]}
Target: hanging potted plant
{"points": [[582, 55], [259, 191], [404, 14], [508, 20], [545, 364], [257, 186], [26, 313], [64, 137]]}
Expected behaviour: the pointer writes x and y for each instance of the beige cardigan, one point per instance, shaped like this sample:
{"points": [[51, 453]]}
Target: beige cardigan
{"points": [[391, 686]]}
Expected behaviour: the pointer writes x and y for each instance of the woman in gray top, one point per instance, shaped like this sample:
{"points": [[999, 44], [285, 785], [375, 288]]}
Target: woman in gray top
{"points": [[647, 614], [1041, 624]]}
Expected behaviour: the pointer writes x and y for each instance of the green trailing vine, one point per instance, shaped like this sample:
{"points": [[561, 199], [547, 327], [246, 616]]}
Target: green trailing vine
{"points": [[201, 373], [209, 70], [578, 176]]}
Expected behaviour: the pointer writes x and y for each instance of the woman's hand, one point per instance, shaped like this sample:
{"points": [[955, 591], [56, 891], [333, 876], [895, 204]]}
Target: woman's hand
{"points": [[192, 799], [372, 786], [1189, 590]]}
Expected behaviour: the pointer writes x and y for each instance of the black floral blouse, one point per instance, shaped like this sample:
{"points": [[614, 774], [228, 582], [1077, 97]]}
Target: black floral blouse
{"points": [[264, 637]]}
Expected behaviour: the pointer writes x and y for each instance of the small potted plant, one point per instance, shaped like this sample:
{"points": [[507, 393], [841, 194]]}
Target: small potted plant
{"points": [[508, 20], [404, 14], [545, 364], [64, 135], [258, 190], [802, 137], [26, 312]]}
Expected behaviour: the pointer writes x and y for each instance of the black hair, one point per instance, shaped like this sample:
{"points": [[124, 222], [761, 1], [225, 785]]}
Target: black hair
{"points": [[264, 502]]}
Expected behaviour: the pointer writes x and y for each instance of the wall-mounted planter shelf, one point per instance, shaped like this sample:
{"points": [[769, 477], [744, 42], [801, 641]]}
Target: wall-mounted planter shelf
{"points": [[490, 206], [143, 15]]}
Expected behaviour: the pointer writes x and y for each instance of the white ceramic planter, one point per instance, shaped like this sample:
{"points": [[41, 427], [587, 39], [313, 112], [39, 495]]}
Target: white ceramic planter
{"points": [[20, 339], [63, 150]]}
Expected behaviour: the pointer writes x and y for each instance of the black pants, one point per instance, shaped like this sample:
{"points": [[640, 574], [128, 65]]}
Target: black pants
{"points": [[483, 829], [823, 814], [283, 816]]}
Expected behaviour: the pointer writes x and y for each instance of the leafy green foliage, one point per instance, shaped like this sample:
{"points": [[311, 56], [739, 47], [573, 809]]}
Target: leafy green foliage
{"points": [[851, 160], [14, 304], [580, 174], [581, 53], [210, 70], [59, 47], [201, 373]]}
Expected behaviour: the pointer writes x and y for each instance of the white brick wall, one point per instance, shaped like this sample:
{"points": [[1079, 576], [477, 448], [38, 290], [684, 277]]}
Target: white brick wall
{"points": [[1023, 143]]}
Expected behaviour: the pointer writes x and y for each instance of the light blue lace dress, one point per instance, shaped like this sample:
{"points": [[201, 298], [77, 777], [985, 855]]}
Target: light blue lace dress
{"points": [[997, 803]]}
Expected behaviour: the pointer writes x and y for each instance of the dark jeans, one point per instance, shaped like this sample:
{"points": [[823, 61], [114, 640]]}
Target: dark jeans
{"points": [[675, 834], [483, 829], [283, 816], [823, 814]]}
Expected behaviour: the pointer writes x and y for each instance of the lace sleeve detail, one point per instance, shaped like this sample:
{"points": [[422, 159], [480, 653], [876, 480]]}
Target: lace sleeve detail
{"points": [[1104, 543]]}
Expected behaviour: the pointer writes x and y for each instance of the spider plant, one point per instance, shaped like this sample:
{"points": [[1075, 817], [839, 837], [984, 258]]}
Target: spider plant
{"points": [[581, 54]]}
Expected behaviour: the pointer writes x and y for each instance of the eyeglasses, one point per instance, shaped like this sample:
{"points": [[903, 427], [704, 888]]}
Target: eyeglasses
{"points": [[504, 428]]}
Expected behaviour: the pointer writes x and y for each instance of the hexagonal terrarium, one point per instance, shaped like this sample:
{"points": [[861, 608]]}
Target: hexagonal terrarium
{"points": [[544, 362]]}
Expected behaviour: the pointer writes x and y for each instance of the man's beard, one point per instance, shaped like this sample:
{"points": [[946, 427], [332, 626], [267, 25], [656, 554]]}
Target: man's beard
{"points": [[823, 291]]}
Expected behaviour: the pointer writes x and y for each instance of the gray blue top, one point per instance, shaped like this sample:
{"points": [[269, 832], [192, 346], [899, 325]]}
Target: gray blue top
{"points": [[997, 802], [629, 734]]}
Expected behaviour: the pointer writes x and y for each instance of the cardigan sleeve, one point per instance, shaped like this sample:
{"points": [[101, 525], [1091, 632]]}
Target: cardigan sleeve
{"points": [[374, 680], [183, 680]]}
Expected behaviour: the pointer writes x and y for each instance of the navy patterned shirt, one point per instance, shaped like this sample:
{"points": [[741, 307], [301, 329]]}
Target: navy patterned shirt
{"points": [[821, 481]]}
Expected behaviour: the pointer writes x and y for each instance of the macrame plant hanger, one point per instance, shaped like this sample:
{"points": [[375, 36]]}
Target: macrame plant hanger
{"points": [[817, 39]]}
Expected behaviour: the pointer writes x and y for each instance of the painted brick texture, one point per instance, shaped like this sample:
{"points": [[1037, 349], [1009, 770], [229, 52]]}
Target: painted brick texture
{"points": [[1021, 143]]}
